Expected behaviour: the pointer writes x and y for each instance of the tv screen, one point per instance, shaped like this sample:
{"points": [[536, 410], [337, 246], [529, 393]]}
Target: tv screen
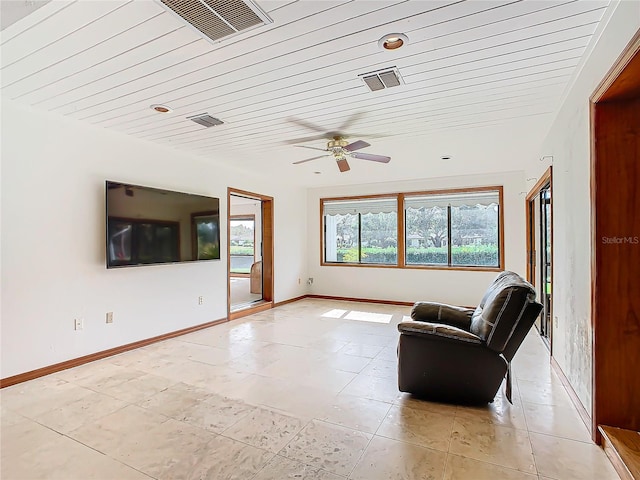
{"points": [[148, 225]]}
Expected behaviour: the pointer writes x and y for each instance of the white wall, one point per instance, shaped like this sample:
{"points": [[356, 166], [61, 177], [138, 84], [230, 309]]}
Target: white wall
{"points": [[568, 142], [53, 241], [410, 285]]}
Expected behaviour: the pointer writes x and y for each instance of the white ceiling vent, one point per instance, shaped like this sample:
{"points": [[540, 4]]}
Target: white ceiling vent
{"points": [[217, 19], [206, 120], [381, 79]]}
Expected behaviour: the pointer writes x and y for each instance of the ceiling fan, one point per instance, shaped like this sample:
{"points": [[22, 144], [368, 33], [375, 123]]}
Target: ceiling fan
{"points": [[340, 149], [337, 146]]}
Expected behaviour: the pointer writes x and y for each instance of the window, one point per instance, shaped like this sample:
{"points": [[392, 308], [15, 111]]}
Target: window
{"points": [[426, 238], [361, 231], [458, 229], [242, 247], [443, 229]]}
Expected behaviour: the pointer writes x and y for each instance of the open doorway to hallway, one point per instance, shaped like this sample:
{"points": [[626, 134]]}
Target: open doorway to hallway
{"points": [[250, 252]]}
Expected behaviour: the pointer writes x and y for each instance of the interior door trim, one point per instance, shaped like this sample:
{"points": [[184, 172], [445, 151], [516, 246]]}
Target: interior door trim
{"points": [[545, 178], [267, 253]]}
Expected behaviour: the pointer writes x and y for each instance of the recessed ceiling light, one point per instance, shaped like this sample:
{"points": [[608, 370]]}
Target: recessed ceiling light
{"points": [[445, 157], [160, 108], [392, 41]]}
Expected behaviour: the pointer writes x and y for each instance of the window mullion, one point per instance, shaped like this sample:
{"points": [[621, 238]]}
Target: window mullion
{"points": [[359, 238], [401, 234], [449, 235]]}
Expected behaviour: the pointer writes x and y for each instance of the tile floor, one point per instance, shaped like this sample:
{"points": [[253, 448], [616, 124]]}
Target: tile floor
{"points": [[307, 390], [241, 296]]}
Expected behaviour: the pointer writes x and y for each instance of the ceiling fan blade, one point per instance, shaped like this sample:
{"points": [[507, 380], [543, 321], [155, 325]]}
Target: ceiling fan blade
{"points": [[367, 135], [343, 165], [357, 145], [306, 139], [312, 148], [306, 125], [309, 159], [350, 121], [369, 156]]}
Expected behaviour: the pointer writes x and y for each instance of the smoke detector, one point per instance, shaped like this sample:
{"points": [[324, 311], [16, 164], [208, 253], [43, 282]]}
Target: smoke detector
{"points": [[218, 19]]}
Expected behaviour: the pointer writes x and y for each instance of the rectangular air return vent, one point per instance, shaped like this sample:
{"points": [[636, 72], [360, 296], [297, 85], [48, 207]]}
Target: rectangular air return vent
{"points": [[206, 120], [217, 19], [381, 79]]}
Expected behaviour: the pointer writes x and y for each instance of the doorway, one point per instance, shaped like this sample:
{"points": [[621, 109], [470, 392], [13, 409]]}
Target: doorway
{"points": [[615, 243], [250, 253], [539, 250]]}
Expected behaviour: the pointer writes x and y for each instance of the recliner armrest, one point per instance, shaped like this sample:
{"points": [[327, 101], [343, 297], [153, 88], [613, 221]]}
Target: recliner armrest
{"points": [[438, 330], [434, 312]]}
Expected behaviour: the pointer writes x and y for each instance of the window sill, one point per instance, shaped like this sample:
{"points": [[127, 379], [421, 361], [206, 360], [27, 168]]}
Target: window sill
{"points": [[415, 267]]}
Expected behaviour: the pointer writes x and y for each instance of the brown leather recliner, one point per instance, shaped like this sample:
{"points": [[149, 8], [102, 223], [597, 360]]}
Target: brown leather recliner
{"points": [[461, 355]]}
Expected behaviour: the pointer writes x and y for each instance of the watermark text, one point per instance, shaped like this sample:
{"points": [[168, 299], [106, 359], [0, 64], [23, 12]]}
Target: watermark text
{"points": [[621, 240]]}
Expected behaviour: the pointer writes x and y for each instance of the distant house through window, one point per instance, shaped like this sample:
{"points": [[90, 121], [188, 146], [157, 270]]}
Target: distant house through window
{"points": [[242, 247]]}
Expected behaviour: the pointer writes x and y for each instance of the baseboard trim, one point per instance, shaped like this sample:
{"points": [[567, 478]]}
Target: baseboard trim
{"points": [[363, 300], [291, 300], [75, 362], [250, 310], [584, 415]]}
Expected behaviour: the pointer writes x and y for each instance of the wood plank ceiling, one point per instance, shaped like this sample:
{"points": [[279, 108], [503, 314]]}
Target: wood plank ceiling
{"points": [[482, 79]]}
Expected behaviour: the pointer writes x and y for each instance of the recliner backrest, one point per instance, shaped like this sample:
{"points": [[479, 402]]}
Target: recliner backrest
{"points": [[508, 307]]}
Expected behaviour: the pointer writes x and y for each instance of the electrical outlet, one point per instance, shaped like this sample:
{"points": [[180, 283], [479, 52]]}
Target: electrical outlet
{"points": [[78, 324], [109, 317], [310, 281], [200, 300]]}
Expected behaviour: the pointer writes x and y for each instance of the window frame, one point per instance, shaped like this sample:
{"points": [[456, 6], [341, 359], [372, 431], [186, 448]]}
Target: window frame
{"points": [[401, 244], [355, 198]]}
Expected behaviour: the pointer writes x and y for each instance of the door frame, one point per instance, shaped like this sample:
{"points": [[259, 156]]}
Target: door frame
{"points": [[615, 344], [546, 178], [267, 253]]}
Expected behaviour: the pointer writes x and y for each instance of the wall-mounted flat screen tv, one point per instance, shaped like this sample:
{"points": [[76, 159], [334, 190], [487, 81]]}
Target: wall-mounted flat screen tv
{"points": [[148, 225]]}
